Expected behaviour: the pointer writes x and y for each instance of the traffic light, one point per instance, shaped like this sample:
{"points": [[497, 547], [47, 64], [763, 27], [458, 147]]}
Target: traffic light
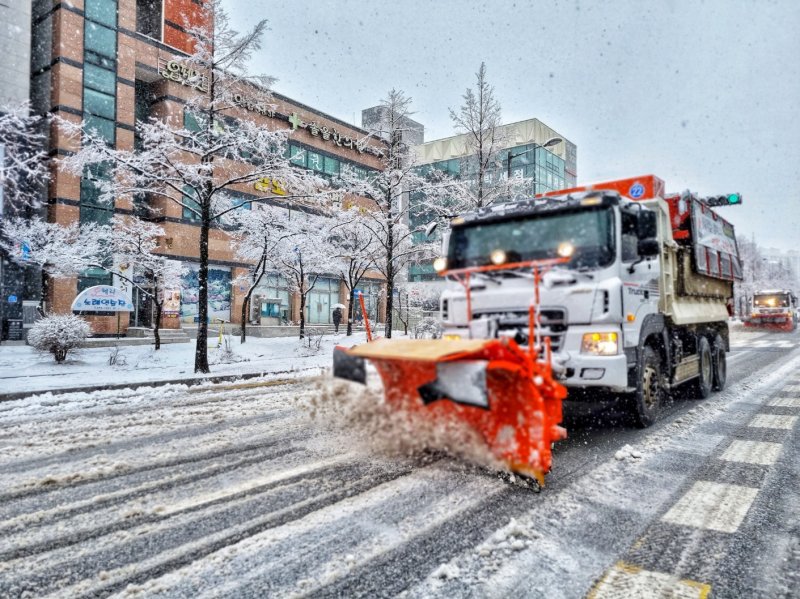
{"points": [[730, 199]]}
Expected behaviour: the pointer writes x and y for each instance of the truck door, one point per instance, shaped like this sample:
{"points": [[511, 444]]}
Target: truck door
{"points": [[640, 290]]}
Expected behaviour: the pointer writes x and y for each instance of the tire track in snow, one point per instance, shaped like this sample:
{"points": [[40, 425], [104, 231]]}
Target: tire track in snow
{"points": [[199, 540], [102, 476], [101, 410], [318, 472], [65, 509], [212, 422]]}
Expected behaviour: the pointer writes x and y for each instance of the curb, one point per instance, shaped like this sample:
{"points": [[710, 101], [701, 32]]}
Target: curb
{"points": [[190, 382]]}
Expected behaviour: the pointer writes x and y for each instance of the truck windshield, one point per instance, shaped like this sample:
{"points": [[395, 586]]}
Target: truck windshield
{"points": [[535, 237], [772, 300]]}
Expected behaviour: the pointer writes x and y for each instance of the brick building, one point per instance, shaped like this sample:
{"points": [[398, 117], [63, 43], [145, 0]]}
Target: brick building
{"points": [[110, 62]]}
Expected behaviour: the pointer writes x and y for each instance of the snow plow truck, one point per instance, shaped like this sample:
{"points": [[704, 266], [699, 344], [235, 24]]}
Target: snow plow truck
{"points": [[613, 287], [773, 309]]}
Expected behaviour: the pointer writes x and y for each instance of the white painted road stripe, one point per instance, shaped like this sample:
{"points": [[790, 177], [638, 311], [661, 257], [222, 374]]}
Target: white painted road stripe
{"points": [[773, 421], [712, 506], [752, 452], [625, 582], [785, 402]]}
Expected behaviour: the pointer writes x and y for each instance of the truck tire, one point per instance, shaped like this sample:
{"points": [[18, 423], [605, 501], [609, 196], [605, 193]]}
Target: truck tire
{"points": [[702, 384], [646, 401], [720, 363]]}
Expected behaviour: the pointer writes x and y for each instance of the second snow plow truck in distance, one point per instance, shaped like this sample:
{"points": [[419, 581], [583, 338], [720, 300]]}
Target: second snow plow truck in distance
{"points": [[773, 309], [641, 306]]}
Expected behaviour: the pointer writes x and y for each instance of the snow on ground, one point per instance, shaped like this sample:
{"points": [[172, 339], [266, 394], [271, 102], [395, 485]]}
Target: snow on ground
{"points": [[291, 489], [23, 369]]}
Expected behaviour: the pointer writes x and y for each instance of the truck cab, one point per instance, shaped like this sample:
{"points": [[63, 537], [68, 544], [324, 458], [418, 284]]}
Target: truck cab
{"points": [[616, 303], [774, 308]]}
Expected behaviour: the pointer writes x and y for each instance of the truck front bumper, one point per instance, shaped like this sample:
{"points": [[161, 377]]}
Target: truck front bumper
{"points": [[574, 369]]}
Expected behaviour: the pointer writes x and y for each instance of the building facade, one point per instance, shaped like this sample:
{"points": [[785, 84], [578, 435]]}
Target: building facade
{"points": [[109, 63]]}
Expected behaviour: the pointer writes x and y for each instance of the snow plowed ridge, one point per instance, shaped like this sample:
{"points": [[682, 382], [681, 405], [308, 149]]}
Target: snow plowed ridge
{"points": [[298, 491]]}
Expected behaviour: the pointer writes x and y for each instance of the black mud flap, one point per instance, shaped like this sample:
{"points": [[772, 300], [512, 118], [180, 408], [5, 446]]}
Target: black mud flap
{"points": [[350, 368], [463, 382]]}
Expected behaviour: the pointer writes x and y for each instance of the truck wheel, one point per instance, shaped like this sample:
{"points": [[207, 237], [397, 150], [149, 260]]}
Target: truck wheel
{"points": [[702, 385], [646, 401], [720, 363]]}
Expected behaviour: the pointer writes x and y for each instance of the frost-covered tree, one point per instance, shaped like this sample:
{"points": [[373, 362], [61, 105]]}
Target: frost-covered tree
{"points": [[59, 250], [23, 161], [260, 234], [58, 334], [389, 189], [134, 242], [354, 249], [64, 251], [483, 179], [303, 257], [201, 165]]}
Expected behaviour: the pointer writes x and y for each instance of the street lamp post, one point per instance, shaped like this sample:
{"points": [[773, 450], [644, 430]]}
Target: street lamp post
{"points": [[549, 143]]}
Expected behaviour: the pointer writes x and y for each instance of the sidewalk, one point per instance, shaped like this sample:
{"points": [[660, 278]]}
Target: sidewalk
{"points": [[24, 371]]}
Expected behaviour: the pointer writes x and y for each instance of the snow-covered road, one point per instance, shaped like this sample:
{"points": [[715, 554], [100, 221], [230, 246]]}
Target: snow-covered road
{"points": [[260, 489]]}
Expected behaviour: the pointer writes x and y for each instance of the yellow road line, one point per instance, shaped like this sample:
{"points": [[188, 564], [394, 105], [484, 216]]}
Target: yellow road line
{"points": [[626, 581]]}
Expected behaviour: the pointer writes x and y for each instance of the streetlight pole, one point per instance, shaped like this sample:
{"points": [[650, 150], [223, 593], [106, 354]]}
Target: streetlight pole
{"points": [[550, 142]]}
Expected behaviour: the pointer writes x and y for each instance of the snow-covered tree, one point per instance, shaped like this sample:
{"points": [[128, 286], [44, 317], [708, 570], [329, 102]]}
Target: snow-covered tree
{"points": [[201, 165], [483, 178], [59, 250], [64, 251], [58, 334], [354, 249], [388, 189], [134, 242], [303, 257], [259, 235], [23, 161]]}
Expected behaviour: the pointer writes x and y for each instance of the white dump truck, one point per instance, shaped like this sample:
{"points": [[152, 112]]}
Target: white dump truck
{"points": [[638, 305]]}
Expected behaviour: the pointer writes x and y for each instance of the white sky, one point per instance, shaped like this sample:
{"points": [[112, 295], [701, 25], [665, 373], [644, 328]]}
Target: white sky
{"points": [[705, 95]]}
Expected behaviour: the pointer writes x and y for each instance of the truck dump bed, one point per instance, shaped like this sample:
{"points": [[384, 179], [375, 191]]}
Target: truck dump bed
{"points": [[700, 263]]}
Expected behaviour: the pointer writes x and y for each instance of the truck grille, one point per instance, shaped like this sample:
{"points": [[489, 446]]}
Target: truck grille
{"points": [[514, 323]]}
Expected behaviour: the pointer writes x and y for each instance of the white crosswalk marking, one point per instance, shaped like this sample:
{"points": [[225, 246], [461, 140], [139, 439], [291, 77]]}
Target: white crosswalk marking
{"points": [[752, 452], [624, 582], [785, 402], [712, 506], [773, 421]]}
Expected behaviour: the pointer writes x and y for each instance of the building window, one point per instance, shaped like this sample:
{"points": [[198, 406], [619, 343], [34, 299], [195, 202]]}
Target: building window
{"points": [[99, 79], [101, 11], [190, 202], [101, 40], [94, 207], [149, 18], [99, 75], [92, 277]]}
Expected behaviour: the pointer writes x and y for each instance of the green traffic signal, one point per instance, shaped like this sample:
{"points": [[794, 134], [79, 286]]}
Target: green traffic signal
{"points": [[731, 199]]}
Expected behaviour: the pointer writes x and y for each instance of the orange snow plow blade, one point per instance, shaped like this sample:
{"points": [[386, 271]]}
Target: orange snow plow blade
{"points": [[493, 386]]}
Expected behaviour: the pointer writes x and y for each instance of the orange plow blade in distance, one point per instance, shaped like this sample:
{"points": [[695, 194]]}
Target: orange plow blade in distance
{"points": [[493, 386]]}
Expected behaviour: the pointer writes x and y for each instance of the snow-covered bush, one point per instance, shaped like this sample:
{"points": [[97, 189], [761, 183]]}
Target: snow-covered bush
{"points": [[58, 334], [428, 328]]}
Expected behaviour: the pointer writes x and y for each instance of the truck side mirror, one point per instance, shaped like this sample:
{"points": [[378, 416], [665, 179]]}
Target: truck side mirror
{"points": [[648, 247], [647, 225]]}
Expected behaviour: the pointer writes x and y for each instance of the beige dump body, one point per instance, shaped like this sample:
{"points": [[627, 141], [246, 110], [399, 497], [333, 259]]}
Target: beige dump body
{"points": [[686, 297]]}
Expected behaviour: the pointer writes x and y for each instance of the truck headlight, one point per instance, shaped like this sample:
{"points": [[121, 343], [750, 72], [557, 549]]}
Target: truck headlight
{"points": [[600, 344]]}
